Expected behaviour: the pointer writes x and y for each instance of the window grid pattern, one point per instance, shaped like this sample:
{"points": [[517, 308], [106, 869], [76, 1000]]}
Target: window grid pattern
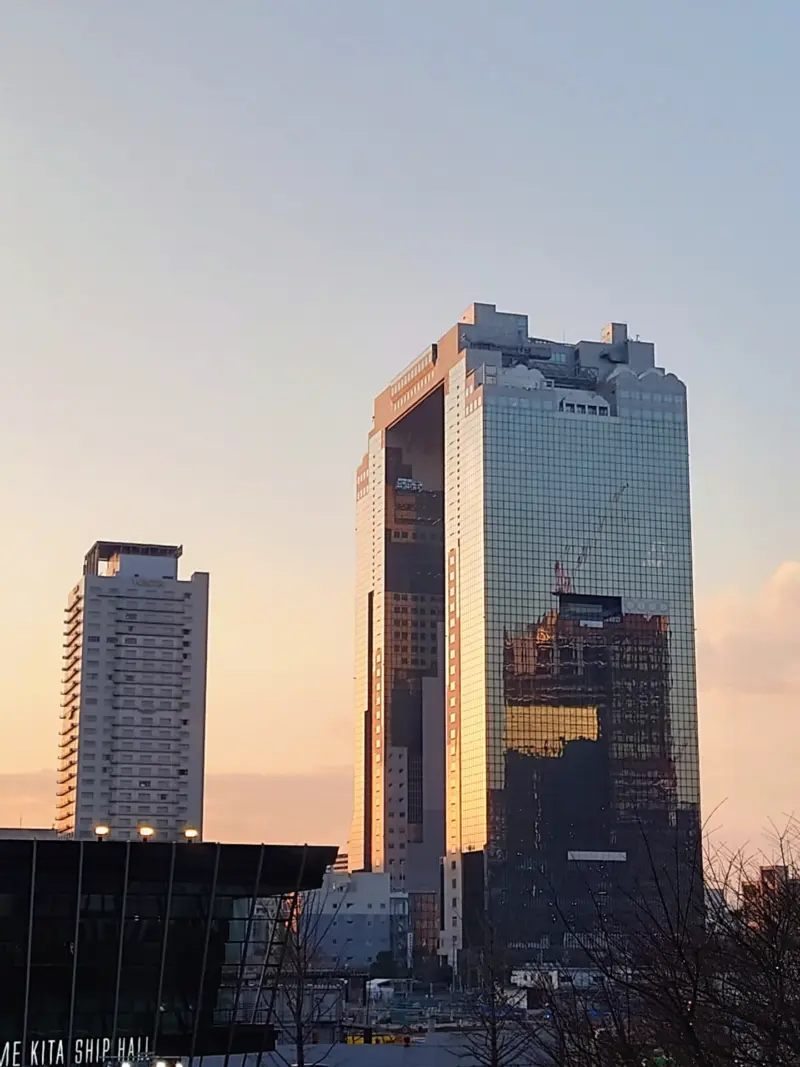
{"points": [[367, 796], [588, 571]]}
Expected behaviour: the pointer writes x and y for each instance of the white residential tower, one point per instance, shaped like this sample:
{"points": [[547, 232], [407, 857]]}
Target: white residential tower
{"points": [[133, 708]]}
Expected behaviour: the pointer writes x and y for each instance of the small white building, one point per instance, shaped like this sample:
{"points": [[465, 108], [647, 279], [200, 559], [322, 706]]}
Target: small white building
{"points": [[357, 917]]}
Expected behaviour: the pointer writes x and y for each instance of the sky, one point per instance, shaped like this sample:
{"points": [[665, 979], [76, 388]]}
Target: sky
{"points": [[225, 227]]}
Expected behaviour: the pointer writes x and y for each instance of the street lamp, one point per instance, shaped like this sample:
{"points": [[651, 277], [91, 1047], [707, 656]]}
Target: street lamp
{"points": [[191, 834], [101, 831], [145, 832]]}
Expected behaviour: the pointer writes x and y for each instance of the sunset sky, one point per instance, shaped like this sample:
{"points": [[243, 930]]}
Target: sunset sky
{"points": [[226, 226]]}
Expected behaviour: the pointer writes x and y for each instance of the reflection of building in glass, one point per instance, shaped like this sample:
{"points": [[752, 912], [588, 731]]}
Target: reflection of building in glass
{"points": [[113, 949], [551, 559], [589, 770]]}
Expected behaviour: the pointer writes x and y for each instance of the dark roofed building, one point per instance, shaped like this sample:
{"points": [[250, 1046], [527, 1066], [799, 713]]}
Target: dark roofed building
{"points": [[113, 949]]}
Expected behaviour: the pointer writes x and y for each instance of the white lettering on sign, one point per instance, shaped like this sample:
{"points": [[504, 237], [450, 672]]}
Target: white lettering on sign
{"points": [[86, 1051]]}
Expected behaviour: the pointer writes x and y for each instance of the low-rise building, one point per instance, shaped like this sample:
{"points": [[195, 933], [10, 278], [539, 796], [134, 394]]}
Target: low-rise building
{"points": [[92, 923], [354, 918]]}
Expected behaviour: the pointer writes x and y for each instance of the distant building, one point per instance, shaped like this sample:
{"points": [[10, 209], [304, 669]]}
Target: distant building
{"points": [[777, 887], [424, 922], [340, 863], [354, 918], [133, 708], [717, 910]]}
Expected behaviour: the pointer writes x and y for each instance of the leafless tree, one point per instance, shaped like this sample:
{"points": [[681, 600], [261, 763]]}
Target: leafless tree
{"points": [[711, 987], [758, 955], [308, 991], [496, 1034]]}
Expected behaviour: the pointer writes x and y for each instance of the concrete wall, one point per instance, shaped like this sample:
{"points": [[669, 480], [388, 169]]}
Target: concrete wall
{"points": [[351, 918]]}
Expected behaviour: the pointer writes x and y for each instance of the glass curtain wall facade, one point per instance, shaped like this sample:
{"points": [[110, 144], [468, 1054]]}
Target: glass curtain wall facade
{"points": [[590, 706], [567, 668], [115, 950], [398, 824]]}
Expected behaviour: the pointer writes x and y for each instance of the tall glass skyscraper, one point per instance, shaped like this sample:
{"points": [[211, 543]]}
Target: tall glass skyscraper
{"points": [[526, 721]]}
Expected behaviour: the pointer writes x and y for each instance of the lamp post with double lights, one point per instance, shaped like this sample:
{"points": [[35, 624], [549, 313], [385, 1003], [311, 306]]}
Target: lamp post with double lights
{"points": [[191, 834], [145, 832], [101, 831]]}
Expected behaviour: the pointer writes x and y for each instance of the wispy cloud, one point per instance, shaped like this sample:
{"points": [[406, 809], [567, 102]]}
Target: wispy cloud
{"points": [[313, 807], [749, 694], [752, 644]]}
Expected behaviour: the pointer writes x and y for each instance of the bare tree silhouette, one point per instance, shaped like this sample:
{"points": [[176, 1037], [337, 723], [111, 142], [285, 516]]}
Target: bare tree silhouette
{"points": [[695, 980], [497, 1033], [312, 986]]}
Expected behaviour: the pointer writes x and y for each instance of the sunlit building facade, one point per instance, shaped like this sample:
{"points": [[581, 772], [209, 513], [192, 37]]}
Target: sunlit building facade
{"points": [[398, 825], [557, 700], [133, 696]]}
